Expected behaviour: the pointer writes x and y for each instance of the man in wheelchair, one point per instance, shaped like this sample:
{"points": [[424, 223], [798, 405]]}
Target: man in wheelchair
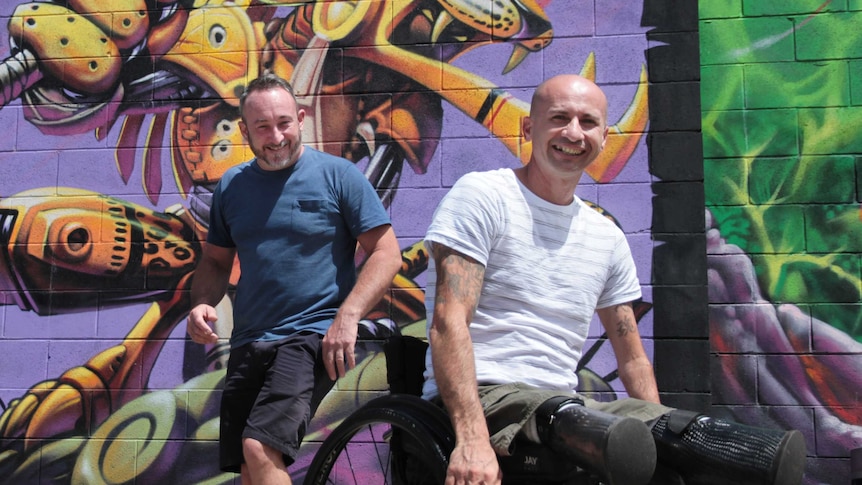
{"points": [[519, 266]]}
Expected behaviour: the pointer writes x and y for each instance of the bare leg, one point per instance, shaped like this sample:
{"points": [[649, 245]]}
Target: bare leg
{"points": [[263, 465]]}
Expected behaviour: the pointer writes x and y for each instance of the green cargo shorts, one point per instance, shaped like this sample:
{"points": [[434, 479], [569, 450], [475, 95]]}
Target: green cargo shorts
{"points": [[510, 411]]}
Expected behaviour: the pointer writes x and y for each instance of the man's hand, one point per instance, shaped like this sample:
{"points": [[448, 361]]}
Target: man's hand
{"points": [[338, 346], [473, 464], [383, 262], [198, 325]]}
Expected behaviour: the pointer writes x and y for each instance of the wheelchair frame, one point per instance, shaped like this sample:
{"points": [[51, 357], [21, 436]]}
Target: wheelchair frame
{"points": [[421, 435]]}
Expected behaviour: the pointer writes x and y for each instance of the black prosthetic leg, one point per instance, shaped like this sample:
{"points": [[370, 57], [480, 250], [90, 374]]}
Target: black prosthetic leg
{"points": [[706, 450], [619, 449]]}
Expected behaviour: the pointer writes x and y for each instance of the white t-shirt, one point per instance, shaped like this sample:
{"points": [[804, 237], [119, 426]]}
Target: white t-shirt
{"points": [[547, 269]]}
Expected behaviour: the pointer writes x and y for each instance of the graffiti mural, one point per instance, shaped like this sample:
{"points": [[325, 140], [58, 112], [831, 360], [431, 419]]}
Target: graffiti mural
{"points": [[117, 125], [784, 226]]}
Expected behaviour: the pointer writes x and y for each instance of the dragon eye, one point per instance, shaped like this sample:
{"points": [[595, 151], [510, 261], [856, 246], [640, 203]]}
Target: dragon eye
{"points": [[221, 150], [217, 35], [225, 128]]}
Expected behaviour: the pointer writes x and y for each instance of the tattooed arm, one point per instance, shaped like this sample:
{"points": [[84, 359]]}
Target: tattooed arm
{"points": [[459, 282], [635, 369]]}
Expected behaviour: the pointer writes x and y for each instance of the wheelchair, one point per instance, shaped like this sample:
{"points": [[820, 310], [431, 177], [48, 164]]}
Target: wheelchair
{"points": [[408, 440], [401, 439]]}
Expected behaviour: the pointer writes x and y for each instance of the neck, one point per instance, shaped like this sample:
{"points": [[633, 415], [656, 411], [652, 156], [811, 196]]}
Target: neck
{"points": [[556, 190]]}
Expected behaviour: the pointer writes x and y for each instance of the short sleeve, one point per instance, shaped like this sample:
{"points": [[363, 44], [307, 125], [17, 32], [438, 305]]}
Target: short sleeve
{"points": [[218, 234], [361, 205], [468, 219], [622, 284]]}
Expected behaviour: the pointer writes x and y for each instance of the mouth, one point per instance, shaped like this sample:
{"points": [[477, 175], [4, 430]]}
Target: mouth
{"points": [[276, 146], [569, 151]]}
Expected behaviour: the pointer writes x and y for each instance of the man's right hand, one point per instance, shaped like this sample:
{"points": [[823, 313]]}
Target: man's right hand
{"points": [[198, 325], [473, 464]]}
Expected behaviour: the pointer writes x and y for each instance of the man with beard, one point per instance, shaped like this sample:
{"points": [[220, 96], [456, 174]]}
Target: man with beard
{"points": [[519, 266], [293, 215]]}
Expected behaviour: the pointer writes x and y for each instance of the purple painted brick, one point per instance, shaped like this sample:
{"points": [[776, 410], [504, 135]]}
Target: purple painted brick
{"points": [[629, 204]]}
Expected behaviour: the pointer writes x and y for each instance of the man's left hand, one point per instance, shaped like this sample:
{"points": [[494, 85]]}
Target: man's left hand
{"points": [[338, 347]]}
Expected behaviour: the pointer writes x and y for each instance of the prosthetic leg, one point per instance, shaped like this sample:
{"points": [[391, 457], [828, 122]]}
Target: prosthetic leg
{"points": [[619, 449], [706, 450]]}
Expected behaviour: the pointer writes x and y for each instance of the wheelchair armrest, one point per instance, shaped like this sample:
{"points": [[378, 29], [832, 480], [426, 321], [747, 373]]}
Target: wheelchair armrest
{"points": [[405, 364]]}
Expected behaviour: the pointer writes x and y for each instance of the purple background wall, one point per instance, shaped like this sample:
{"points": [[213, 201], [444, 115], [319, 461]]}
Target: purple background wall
{"points": [[68, 408]]}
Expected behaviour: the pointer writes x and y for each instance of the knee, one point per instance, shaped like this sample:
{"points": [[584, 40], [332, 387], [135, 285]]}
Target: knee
{"points": [[252, 449], [674, 423], [546, 415], [257, 453]]}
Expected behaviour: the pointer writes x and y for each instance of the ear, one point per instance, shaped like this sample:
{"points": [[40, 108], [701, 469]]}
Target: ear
{"points": [[243, 128], [526, 128], [605, 136], [300, 116]]}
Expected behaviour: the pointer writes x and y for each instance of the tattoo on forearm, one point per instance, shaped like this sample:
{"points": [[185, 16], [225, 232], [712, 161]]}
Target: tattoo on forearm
{"points": [[458, 277], [626, 323]]}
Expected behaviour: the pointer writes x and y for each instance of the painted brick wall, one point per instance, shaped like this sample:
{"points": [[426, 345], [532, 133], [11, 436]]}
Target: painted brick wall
{"points": [[89, 372], [679, 262], [772, 339], [781, 112]]}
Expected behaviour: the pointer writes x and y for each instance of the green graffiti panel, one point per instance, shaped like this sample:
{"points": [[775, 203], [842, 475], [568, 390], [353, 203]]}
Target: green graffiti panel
{"points": [[772, 229], [833, 228], [795, 84], [829, 36], [812, 179], [746, 40], [726, 181], [782, 188]]}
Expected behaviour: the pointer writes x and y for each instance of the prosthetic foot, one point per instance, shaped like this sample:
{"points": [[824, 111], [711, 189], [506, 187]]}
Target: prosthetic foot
{"points": [[621, 450], [705, 450]]}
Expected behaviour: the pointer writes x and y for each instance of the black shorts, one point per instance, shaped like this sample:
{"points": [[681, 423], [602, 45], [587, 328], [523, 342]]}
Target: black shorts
{"points": [[271, 391]]}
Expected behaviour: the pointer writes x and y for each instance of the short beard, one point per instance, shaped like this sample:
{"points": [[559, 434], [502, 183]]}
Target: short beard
{"points": [[278, 163]]}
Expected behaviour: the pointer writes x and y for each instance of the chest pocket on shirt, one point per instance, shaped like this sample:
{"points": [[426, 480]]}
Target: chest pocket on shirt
{"points": [[312, 217]]}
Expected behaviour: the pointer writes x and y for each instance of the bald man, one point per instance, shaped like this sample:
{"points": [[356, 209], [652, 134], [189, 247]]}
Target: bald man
{"points": [[519, 266]]}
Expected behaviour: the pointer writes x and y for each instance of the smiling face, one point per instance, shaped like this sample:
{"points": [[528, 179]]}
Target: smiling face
{"points": [[567, 126], [272, 124]]}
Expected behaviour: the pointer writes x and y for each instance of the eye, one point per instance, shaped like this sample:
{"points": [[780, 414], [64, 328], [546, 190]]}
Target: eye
{"points": [[225, 128], [217, 36], [221, 150]]}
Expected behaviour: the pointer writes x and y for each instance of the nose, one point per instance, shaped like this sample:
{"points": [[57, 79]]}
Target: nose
{"points": [[275, 135], [573, 131]]}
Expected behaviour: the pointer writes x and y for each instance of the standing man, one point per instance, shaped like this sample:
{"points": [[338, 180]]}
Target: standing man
{"points": [[294, 216], [519, 266]]}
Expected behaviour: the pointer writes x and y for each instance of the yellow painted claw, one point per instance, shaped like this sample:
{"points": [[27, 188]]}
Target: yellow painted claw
{"points": [[68, 45], [85, 396]]}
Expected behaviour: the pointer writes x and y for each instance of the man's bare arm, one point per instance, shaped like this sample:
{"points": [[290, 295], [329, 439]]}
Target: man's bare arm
{"points": [[459, 284], [635, 368], [380, 267], [209, 284]]}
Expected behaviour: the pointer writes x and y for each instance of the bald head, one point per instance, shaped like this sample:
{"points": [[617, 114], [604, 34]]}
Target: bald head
{"points": [[567, 128], [565, 85]]}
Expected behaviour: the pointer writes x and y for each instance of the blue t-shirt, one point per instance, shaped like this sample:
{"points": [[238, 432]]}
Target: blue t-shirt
{"points": [[295, 233]]}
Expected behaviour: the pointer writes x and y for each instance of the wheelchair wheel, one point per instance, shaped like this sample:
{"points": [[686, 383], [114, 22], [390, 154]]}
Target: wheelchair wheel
{"points": [[394, 439]]}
